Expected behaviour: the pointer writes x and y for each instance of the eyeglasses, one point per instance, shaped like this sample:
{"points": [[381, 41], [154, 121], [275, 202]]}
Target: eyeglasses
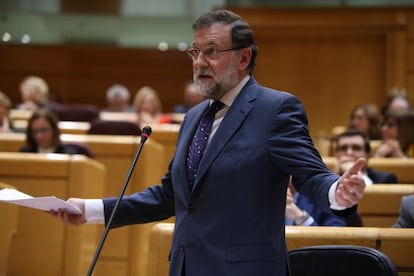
{"points": [[40, 131], [344, 148], [209, 53], [389, 124]]}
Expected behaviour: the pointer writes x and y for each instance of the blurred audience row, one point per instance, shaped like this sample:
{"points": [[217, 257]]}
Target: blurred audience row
{"points": [[393, 124], [146, 107]]}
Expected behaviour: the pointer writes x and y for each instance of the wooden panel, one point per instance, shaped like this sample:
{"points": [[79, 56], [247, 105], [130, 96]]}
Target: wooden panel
{"points": [[380, 206], [410, 85], [81, 74], [316, 55], [43, 244], [312, 67], [9, 222], [398, 244], [91, 6]]}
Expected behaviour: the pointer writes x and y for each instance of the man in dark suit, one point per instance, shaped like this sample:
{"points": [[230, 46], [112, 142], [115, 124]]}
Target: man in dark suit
{"points": [[229, 215], [351, 145], [406, 218]]}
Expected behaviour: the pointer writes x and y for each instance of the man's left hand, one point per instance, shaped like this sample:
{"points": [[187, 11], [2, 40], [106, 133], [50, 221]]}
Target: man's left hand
{"points": [[351, 186]]}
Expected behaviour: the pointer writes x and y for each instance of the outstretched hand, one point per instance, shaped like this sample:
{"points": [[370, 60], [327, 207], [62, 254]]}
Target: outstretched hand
{"points": [[351, 186], [73, 219]]}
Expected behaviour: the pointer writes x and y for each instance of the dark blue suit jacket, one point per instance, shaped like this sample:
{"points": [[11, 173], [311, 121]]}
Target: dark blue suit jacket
{"points": [[232, 223], [381, 177]]}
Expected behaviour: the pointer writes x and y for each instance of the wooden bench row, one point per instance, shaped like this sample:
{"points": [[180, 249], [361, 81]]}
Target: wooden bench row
{"points": [[402, 168], [398, 244], [41, 244], [125, 247], [115, 153]]}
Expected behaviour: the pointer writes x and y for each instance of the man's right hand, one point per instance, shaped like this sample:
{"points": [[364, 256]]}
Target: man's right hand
{"points": [[72, 219]]}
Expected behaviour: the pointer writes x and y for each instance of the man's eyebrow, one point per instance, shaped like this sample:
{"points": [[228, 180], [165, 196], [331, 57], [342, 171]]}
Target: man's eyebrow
{"points": [[209, 43]]}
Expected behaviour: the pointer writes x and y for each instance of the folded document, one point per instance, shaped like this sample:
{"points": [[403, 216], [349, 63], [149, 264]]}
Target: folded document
{"points": [[47, 203]]}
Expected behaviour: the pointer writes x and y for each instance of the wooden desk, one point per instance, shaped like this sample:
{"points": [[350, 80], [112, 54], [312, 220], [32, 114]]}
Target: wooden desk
{"points": [[9, 221], [125, 246], [167, 136], [397, 244], [380, 206], [44, 245], [65, 127]]}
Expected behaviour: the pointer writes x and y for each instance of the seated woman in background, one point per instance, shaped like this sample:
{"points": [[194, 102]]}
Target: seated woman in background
{"points": [[43, 134], [366, 119], [6, 124], [148, 107], [397, 135], [34, 92]]}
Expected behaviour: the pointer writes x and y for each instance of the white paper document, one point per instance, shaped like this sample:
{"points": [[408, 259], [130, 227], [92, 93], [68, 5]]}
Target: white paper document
{"points": [[46, 203]]}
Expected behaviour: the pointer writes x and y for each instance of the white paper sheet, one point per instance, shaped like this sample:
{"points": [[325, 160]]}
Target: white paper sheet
{"points": [[46, 203]]}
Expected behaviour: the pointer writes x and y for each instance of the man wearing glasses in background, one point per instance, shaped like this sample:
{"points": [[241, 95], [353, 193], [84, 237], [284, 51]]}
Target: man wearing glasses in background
{"points": [[229, 207], [351, 145]]}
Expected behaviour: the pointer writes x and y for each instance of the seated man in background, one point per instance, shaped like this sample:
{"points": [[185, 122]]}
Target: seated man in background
{"points": [[118, 99], [191, 98], [406, 218], [351, 145], [301, 211]]}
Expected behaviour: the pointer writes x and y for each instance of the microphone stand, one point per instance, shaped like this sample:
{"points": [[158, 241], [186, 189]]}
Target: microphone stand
{"points": [[146, 132]]}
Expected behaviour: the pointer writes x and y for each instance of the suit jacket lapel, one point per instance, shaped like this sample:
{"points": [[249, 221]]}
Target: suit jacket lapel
{"points": [[231, 122]]}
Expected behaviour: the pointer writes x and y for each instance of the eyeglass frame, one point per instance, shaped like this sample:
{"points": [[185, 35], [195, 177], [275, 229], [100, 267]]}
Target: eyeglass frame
{"points": [[214, 53], [42, 131], [353, 147]]}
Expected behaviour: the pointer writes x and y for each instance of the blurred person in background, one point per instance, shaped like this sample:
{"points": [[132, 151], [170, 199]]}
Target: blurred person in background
{"points": [[6, 124], [147, 105], [397, 101], [301, 211], [43, 134], [34, 93], [366, 118], [397, 135], [349, 147], [406, 217], [117, 98], [191, 98]]}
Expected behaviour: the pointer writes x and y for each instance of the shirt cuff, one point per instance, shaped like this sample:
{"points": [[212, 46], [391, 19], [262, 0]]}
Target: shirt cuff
{"points": [[308, 222], [331, 195], [94, 211]]}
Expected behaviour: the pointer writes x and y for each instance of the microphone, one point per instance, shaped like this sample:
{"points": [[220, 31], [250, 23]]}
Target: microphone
{"points": [[146, 132]]}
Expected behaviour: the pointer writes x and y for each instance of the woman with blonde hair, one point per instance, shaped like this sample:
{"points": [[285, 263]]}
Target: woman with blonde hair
{"points": [[148, 106], [34, 92]]}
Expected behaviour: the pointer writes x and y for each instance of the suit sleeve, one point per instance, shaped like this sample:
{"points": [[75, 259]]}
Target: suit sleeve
{"points": [[153, 204], [293, 150]]}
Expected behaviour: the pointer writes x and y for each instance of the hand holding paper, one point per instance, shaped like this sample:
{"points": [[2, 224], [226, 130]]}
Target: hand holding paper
{"points": [[48, 203]]}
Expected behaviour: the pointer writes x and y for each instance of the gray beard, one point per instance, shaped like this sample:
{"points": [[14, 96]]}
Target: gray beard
{"points": [[214, 92]]}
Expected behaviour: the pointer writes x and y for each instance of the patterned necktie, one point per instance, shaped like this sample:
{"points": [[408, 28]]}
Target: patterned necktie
{"points": [[199, 143]]}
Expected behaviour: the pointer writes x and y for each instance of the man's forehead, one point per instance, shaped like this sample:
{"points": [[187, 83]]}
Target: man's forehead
{"points": [[354, 139], [212, 35]]}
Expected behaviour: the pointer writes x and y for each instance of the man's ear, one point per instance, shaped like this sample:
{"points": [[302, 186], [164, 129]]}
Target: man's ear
{"points": [[245, 57]]}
